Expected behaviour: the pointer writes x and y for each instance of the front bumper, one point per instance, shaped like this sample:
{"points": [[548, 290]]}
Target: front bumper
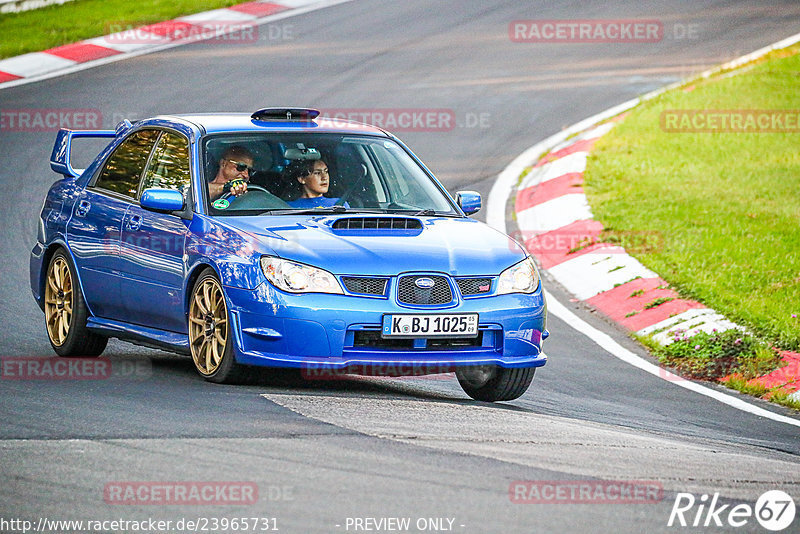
{"points": [[322, 331]]}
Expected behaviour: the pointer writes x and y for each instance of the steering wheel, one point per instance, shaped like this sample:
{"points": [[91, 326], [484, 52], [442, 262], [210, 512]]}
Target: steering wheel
{"points": [[355, 185], [250, 187]]}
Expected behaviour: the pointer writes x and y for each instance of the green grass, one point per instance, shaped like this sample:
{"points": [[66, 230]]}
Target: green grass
{"points": [[726, 205], [40, 29], [732, 358], [657, 302], [712, 356], [777, 395]]}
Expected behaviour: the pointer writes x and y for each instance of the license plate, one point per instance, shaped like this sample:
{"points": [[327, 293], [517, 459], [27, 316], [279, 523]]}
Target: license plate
{"points": [[433, 325]]}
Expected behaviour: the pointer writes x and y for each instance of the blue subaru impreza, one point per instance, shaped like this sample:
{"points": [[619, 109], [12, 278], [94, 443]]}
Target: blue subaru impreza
{"points": [[282, 239]]}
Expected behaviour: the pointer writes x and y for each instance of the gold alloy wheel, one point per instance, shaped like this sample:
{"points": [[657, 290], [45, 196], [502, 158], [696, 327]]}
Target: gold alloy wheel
{"points": [[208, 326], [58, 301]]}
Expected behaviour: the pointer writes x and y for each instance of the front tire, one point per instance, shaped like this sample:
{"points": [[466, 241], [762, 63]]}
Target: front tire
{"points": [[65, 312], [210, 336], [493, 383]]}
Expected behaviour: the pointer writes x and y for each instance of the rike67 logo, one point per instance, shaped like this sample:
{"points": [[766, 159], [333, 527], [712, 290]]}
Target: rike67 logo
{"points": [[774, 510]]}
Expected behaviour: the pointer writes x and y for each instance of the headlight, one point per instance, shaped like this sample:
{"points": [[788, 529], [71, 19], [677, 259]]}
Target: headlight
{"points": [[519, 278], [298, 278]]}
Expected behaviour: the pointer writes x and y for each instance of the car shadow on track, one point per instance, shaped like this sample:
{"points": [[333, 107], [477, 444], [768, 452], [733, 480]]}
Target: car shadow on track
{"points": [[436, 388]]}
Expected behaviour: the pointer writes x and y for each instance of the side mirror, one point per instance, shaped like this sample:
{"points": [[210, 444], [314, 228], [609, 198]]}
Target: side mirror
{"points": [[469, 201], [163, 200]]}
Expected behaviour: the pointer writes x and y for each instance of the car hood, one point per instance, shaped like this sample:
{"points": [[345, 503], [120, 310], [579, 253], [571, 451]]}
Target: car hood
{"points": [[457, 246]]}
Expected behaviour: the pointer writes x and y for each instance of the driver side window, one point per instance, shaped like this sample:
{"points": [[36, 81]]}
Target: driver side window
{"points": [[169, 166]]}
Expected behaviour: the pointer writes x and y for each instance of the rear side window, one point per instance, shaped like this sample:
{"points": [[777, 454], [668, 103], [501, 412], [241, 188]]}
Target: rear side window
{"points": [[169, 166], [124, 167]]}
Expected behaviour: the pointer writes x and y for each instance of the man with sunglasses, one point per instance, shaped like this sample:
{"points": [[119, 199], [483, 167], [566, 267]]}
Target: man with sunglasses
{"points": [[235, 168]]}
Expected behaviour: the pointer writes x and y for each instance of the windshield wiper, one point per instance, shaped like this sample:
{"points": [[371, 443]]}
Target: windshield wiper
{"points": [[427, 212], [304, 211], [320, 210]]}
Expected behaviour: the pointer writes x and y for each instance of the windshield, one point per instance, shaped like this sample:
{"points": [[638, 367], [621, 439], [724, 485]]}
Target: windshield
{"points": [[284, 173]]}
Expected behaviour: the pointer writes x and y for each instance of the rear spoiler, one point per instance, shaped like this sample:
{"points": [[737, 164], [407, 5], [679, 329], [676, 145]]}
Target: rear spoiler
{"points": [[60, 159]]}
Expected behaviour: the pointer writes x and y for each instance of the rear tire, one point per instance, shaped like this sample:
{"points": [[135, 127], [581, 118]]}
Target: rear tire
{"points": [[65, 312], [210, 337], [493, 383]]}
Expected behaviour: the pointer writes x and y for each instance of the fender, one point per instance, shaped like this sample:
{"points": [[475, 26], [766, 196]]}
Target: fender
{"points": [[44, 262]]}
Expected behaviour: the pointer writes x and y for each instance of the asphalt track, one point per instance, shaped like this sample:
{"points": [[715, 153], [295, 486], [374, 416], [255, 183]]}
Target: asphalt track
{"points": [[321, 452]]}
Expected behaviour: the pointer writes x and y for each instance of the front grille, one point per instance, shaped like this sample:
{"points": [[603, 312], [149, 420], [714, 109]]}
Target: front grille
{"points": [[378, 223], [365, 286], [474, 286], [371, 339], [409, 293], [455, 343]]}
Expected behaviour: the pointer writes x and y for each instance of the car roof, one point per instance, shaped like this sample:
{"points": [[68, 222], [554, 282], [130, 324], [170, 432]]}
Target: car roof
{"points": [[242, 122]]}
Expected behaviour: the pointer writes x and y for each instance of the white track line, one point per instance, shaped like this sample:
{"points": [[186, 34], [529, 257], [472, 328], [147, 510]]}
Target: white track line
{"points": [[496, 218], [609, 345]]}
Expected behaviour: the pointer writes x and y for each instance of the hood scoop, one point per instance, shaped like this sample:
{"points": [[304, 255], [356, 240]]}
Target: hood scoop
{"points": [[377, 223]]}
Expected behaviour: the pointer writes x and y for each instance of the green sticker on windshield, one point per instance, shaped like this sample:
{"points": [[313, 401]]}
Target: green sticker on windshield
{"points": [[221, 203]]}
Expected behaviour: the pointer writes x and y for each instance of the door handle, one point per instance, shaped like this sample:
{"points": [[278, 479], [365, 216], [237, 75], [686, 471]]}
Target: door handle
{"points": [[134, 222], [83, 208]]}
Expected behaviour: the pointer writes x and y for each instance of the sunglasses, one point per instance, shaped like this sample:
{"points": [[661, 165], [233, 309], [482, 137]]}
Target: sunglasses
{"points": [[241, 167]]}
